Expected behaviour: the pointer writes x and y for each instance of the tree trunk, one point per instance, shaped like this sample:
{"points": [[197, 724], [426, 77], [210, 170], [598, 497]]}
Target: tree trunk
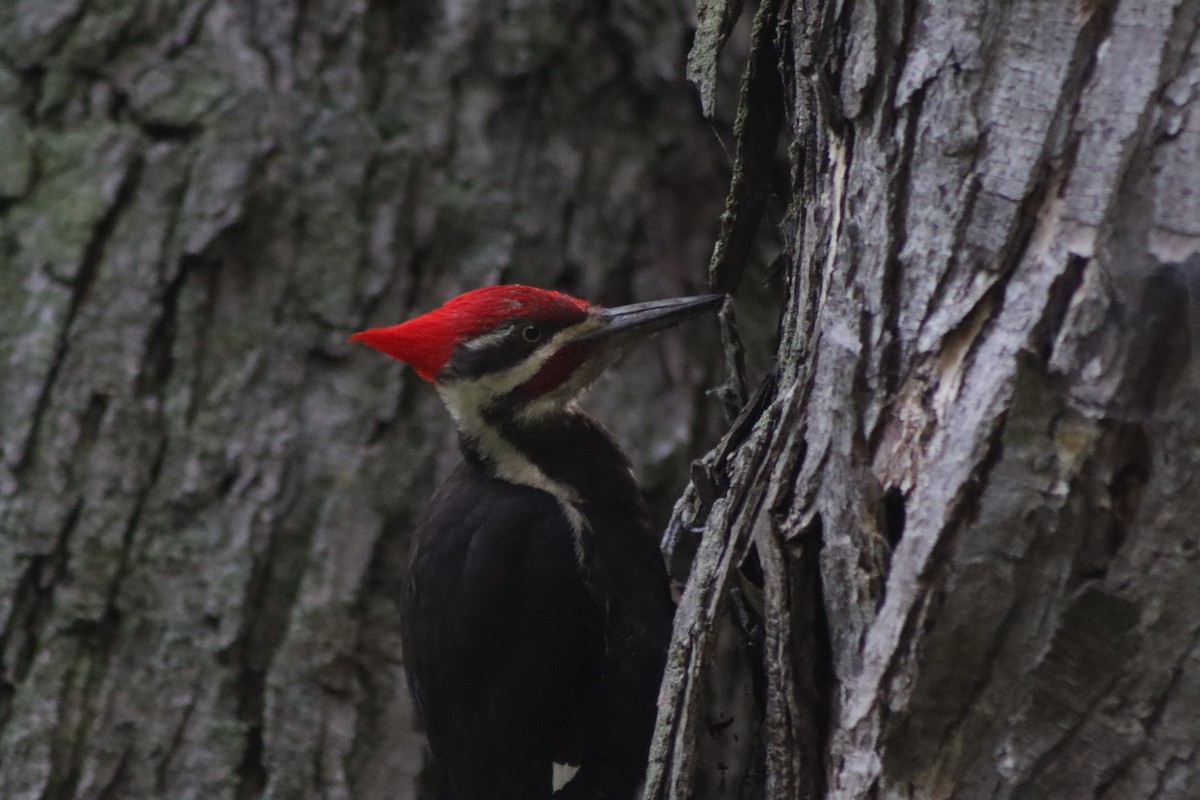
{"points": [[967, 502], [205, 494]]}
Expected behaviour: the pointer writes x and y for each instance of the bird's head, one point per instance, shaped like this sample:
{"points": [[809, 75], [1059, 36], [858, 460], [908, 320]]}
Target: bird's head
{"points": [[521, 350]]}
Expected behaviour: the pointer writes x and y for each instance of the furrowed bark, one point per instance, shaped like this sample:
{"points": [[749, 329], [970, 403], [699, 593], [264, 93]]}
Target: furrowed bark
{"points": [[205, 494], [978, 423]]}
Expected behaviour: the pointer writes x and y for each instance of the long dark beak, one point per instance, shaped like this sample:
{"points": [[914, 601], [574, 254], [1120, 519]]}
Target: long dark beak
{"points": [[641, 319]]}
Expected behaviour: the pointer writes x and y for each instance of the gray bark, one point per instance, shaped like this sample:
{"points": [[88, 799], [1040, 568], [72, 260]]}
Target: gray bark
{"points": [[205, 494], [970, 489]]}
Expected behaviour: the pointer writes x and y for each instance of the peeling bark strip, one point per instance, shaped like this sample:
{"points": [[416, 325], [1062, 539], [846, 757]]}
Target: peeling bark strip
{"points": [[756, 135], [982, 418], [759, 117], [205, 501]]}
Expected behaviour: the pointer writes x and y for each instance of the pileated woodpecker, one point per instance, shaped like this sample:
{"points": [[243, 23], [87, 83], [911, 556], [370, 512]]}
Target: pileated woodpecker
{"points": [[537, 610]]}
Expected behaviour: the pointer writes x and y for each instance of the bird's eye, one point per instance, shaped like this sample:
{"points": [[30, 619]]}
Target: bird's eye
{"points": [[531, 333]]}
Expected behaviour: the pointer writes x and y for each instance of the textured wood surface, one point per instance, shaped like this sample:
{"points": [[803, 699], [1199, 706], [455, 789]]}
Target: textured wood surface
{"points": [[205, 494], [982, 423]]}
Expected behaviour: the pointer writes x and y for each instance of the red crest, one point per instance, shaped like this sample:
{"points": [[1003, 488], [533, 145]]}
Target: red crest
{"points": [[428, 341]]}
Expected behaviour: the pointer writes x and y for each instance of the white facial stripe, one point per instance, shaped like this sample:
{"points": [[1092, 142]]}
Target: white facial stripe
{"points": [[466, 399], [488, 339], [502, 382]]}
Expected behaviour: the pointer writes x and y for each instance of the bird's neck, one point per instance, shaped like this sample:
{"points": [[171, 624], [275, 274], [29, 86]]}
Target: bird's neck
{"points": [[563, 452]]}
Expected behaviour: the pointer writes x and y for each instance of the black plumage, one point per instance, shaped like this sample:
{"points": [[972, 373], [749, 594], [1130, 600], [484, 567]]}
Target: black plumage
{"points": [[519, 654]]}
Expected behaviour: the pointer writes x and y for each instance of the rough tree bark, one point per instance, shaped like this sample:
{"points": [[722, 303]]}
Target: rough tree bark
{"points": [[970, 491], [204, 495]]}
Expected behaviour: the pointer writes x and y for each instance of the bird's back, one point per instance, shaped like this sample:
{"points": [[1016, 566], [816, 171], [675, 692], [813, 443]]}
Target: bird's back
{"points": [[518, 655]]}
